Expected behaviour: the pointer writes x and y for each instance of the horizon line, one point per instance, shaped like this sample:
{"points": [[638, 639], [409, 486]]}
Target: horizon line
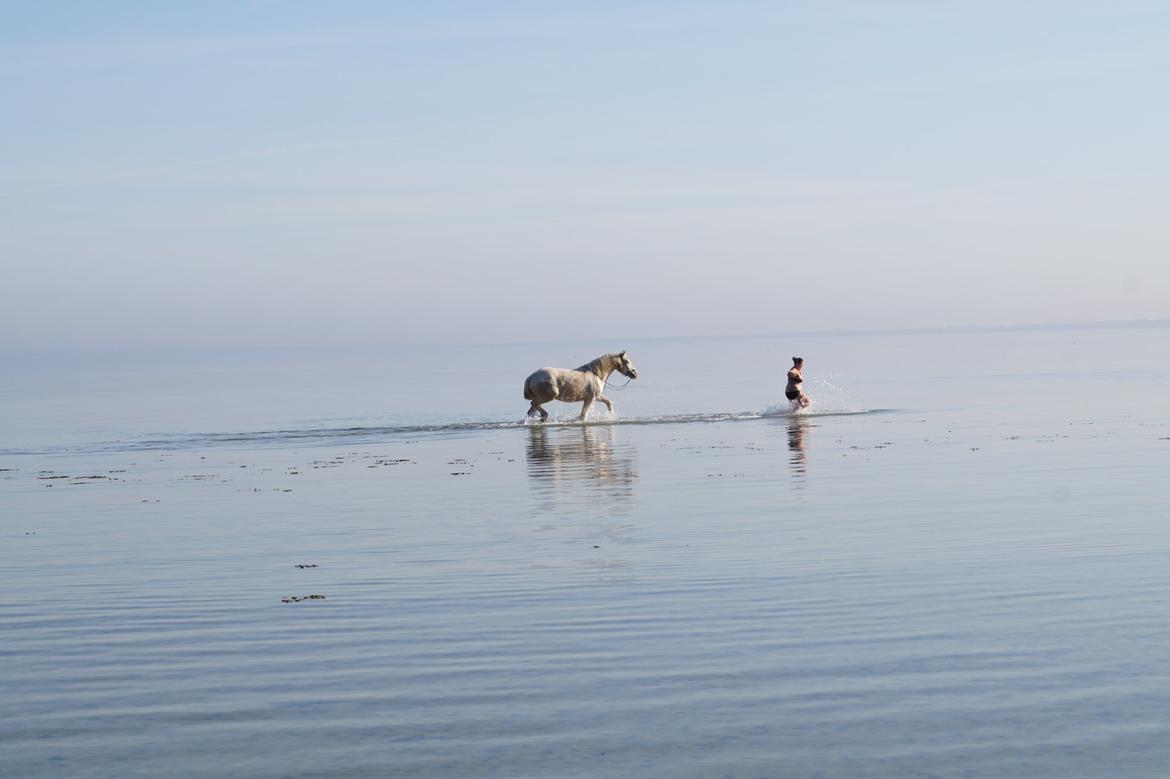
{"points": [[1109, 324]]}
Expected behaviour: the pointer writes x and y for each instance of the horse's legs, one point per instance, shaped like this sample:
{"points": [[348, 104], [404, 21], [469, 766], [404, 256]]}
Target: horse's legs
{"points": [[585, 408], [608, 403], [536, 407]]}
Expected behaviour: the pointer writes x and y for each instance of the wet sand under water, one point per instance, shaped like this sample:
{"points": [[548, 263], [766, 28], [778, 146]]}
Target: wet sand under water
{"points": [[936, 593]]}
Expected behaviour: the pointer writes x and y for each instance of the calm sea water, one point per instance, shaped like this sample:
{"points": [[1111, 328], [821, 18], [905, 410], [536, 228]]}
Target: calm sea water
{"points": [[958, 566]]}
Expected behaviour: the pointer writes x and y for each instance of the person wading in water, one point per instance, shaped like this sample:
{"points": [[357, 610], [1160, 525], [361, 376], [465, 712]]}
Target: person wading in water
{"points": [[793, 392]]}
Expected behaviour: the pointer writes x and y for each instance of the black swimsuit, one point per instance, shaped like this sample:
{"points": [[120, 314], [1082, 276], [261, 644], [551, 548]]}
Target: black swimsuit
{"points": [[793, 394]]}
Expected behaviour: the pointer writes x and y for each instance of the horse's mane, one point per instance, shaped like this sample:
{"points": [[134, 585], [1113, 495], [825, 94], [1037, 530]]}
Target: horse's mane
{"points": [[604, 361]]}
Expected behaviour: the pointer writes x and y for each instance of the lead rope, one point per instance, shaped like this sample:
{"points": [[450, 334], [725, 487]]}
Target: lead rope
{"points": [[616, 388]]}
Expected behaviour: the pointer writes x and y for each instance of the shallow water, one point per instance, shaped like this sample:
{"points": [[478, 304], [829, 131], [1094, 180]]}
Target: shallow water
{"points": [[971, 582]]}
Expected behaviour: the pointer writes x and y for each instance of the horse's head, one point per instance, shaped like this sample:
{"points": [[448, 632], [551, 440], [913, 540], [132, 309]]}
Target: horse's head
{"points": [[625, 366]]}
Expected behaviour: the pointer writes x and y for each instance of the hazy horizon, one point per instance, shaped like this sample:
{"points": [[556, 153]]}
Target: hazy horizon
{"points": [[132, 351], [273, 174]]}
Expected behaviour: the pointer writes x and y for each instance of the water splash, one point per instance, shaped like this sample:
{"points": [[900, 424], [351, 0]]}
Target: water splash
{"points": [[377, 434], [827, 398]]}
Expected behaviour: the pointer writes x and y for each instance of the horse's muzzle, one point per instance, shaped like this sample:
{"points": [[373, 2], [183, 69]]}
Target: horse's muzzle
{"points": [[633, 374]]}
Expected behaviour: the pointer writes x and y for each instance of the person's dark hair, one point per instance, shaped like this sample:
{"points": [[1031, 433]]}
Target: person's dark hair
{"points": [[797, 360]]}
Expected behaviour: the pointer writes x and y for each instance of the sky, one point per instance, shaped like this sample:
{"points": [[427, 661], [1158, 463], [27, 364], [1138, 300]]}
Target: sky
{"points": [[264, 173]]}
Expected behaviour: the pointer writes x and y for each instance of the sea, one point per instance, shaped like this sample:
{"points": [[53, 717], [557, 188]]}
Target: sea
{"points": [[365, 562]]}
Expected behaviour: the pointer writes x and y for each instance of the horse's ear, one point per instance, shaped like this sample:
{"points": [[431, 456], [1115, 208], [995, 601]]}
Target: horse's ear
{"points": [[623, 354]]}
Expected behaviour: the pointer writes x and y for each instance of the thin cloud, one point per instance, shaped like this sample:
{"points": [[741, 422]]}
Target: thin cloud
{"points": [[142, 173], [89, 53]]}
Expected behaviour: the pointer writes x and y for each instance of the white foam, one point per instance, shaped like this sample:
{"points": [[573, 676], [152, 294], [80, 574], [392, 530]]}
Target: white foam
{"points": [[827, 398]]}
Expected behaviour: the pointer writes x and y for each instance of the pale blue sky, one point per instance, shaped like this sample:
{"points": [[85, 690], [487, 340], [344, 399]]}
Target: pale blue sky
{"points": [[284, 173]]}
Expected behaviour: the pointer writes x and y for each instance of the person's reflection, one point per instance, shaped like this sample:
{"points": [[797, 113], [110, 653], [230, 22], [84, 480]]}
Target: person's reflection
{"points": [[797, 426], [580, 461]]}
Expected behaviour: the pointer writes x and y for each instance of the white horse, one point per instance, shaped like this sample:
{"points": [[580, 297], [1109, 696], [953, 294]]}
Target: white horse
{"points": [[583, 385]]}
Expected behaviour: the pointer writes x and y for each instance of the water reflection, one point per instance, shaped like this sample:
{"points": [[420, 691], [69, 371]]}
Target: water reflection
{"points": [[797, 426], [579, 463]]}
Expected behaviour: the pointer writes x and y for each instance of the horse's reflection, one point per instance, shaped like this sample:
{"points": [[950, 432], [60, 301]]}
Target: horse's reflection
{"points": [[797, 426], [581, 461]]}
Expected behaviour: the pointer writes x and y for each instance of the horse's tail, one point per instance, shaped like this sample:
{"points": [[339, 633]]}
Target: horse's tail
{"points": [[528, 389]]}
